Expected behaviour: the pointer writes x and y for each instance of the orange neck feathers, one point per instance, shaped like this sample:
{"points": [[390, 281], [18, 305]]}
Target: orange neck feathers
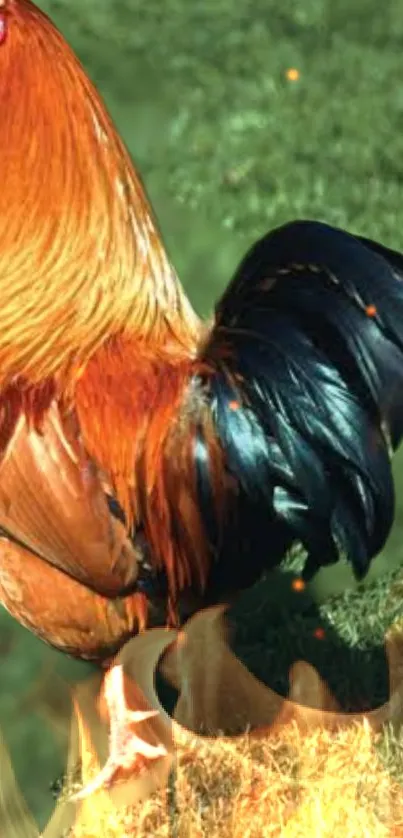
{"points": [[81, 259], [91, 311]]}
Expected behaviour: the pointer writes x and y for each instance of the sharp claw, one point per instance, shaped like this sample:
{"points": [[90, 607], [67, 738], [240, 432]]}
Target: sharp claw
{"points": [[126, 750]]}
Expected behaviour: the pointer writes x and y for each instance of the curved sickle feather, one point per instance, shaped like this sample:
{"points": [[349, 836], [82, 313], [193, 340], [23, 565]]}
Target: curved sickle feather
{"points": [[218, 694], [53, 503]]}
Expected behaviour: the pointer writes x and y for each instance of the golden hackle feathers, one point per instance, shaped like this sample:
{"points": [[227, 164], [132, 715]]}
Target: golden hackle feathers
{"points": [[92, 315], [81, 258]]}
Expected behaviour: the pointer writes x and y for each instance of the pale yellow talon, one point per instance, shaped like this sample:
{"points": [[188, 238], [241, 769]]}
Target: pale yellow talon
{"points": [[126, 750]]}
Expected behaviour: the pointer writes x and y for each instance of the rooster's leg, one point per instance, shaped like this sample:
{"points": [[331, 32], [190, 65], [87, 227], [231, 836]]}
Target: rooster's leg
{"points": [[128, 753]]}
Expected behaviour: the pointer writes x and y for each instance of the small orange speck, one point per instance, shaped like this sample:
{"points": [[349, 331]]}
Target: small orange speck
{"points": [[371, 311], [181, 639], [234, 405], [319, 633], [298, 584], [292, 74]]}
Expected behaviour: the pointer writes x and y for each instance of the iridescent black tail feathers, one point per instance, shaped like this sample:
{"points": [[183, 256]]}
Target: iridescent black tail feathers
{"points": [[307, 400]]}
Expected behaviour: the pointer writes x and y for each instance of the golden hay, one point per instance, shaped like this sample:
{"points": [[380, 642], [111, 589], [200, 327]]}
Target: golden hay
{"points": [[321, 784]]}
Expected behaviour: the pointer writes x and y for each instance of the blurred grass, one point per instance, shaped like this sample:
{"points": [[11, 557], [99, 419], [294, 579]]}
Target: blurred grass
{"points": [[229, 147]]}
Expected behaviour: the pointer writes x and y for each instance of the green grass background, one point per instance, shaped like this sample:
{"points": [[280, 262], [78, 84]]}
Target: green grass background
{"points": [[228, 148]]}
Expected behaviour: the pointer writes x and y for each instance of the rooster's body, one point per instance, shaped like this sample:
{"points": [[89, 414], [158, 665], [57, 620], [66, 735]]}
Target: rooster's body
{"points": [[145, 456]]}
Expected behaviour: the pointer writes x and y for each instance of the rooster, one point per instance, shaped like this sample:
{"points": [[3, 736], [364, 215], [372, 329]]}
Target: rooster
{"points": [[150, 462]]}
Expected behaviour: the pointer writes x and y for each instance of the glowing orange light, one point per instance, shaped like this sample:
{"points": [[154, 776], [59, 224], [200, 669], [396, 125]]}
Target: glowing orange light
{"points": [[234, 405], [292, 74], [298, 584], [319, 633], [371, 311]]}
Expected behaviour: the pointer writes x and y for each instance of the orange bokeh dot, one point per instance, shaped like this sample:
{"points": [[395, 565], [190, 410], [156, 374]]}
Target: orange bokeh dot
{"points": [[298, 584], [292, 74]]}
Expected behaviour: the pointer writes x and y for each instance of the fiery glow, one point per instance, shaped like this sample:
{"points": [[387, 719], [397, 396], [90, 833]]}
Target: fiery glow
{"points": [[304, 769]]}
